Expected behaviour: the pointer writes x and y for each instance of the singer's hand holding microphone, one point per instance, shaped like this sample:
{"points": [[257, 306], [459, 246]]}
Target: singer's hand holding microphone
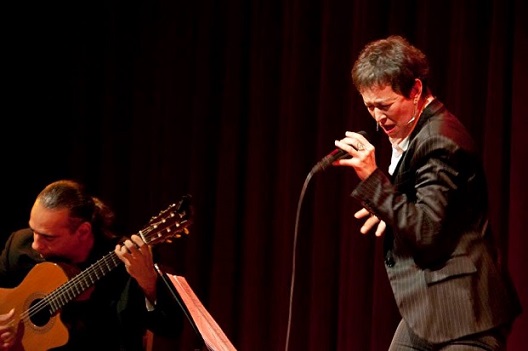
{"points": [[355, 151]]}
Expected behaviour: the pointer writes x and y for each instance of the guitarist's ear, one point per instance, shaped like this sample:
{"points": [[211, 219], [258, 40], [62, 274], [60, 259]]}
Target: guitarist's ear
{"points": [[85, 230]]}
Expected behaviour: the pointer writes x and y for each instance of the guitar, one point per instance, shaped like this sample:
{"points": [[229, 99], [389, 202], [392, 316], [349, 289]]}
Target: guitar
{"points": [[47, 288]]}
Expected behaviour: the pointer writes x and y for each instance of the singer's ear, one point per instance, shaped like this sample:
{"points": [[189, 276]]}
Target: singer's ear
{"points": [[417, 90]]}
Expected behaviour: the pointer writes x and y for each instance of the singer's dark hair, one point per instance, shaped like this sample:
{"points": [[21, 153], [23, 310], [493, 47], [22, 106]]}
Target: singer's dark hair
{"points": [[392, 61]]}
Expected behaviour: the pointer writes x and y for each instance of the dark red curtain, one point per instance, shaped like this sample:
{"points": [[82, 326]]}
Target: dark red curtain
{"points": [[233, 102]]}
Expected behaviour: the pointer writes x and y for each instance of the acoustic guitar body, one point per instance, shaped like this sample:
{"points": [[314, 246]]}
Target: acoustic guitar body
{"points": [[37, 327]]}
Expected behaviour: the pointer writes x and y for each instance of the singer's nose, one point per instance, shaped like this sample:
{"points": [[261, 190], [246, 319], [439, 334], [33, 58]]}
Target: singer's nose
{"points": [[378, 115]]}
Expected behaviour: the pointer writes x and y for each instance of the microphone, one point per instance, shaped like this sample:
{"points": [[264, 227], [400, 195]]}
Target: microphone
{"points": [[335, 155]]}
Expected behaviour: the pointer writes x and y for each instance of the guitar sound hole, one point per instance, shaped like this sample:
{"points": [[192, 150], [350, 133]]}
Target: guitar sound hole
{"points": [[40, 314]]}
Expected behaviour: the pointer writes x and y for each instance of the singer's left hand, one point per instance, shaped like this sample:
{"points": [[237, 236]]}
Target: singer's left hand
{"points": [[371, 221], [363, 154]]}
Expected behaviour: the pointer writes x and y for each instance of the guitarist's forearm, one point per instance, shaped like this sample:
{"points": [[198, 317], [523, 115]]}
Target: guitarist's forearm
{"points": [[148, 286]]}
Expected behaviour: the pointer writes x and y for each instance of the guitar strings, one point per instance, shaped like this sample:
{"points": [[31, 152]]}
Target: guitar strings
{"points": [[65, 293]]}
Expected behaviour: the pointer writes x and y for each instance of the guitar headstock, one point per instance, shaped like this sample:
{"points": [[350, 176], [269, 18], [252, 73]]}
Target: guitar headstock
{"points": [[172, 222]]}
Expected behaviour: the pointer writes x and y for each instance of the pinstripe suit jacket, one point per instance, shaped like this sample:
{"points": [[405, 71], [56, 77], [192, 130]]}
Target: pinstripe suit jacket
{"points": [[441, 262]]}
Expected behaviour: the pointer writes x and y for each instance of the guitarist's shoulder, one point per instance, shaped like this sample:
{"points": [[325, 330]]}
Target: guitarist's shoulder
{"points": [[21, 238], [19, 246]]}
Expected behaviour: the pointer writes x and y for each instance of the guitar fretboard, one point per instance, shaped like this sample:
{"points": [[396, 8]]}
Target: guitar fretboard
{"points": [[82, 281]]}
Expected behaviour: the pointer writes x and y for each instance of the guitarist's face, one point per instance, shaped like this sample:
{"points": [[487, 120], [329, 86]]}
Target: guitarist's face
{"points": [[53, 236]]}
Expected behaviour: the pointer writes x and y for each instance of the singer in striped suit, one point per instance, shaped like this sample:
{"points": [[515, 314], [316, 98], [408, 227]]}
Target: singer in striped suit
{"points": [[452, 290]]}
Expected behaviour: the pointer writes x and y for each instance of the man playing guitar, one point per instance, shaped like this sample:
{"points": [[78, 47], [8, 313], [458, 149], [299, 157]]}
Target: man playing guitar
{"points": [[111, 309]]}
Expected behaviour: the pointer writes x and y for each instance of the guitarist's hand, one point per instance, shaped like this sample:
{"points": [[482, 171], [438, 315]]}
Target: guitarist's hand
{"points": [[7, 330], [137, 257]]}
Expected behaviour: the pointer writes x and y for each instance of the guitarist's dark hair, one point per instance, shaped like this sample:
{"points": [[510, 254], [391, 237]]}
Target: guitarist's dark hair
{"points": [[82, 206]]}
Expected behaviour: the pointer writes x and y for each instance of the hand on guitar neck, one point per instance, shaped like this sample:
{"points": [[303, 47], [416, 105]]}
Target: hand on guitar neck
{"points": [[137, 257]]}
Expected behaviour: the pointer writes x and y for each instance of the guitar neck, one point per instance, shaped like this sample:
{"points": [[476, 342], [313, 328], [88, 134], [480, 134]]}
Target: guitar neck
{"points": [[82, 281]]}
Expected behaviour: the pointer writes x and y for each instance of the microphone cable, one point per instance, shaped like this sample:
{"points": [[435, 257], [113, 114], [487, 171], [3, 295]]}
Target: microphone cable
{"points": [[294, 250], [321, 165]]}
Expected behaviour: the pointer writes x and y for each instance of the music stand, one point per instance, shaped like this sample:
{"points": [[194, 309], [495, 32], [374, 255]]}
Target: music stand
{"points": [[206, 328]]}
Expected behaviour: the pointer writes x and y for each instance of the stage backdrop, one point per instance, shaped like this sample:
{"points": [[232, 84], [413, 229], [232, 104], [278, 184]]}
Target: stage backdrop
{"points": [[233, 102]]}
